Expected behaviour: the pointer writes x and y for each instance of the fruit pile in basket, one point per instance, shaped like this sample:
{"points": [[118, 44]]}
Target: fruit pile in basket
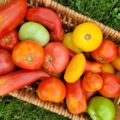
{"points": [[78, 66]]}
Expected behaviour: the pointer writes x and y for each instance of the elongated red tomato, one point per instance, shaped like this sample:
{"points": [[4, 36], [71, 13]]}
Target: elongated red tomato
{"points": [[28, 55], [11, 15], [76, 97], [10, 40], [49, 19], [18, 79]]}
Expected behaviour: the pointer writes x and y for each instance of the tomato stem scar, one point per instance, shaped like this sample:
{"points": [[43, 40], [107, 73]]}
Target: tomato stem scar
{"points": [[87, 36], [7, 40]]}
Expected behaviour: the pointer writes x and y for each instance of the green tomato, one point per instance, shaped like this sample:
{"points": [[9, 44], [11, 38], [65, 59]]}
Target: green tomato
{"points": [[101, 108], [34, 31]]}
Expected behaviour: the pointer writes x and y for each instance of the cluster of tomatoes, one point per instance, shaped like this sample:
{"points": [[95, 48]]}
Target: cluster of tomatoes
{"points": [[81, 64]]}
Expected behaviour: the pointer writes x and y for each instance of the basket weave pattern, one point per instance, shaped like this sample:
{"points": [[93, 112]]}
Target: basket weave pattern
{"points": [[70, 20]]}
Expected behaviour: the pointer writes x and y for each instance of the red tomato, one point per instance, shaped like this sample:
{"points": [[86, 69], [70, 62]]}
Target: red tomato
{"points": [[93, 66], [10, 40], [111, 85], [11, 15], [106, 52], [28, 55], [88, 56], [52, 89], [72, 53], [76, 97], [90, 94], [6, 63], [118, 51], [92, 81], [56, 57]]}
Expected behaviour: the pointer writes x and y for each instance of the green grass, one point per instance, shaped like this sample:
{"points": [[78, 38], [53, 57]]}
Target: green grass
{"points": [[105, 11]]}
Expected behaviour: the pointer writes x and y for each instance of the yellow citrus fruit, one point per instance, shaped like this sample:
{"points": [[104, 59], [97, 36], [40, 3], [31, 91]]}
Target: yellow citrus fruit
{"points": [[87, 36]]}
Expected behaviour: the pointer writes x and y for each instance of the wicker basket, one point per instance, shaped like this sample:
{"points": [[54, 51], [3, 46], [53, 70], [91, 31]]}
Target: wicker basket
{"points": [[69, 19]]}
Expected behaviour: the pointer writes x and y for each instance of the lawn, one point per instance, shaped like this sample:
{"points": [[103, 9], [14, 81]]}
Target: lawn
{"points": [[105, 11]]}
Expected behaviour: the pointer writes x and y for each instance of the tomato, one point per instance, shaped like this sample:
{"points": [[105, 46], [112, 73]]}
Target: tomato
{"points": [[111, 85], [87, 36], [90, 94], [28, 55], [67, 41], [118, 51], [11, 15], [72, 53], [116, 63], [10, 40], [76, 97], [106, 52], [59, 75], [75, 68], [6, 63], [101, 108], [52, 89], [19, 79], [88, 56], [93, 66], [92, 81], [108, 67], [56, 57], [35, 32]]}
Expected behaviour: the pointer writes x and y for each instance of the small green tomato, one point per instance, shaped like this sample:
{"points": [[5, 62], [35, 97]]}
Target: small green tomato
{"points": [[35, 32]]}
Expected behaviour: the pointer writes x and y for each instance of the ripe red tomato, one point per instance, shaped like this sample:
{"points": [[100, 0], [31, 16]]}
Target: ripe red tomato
{"points": [[90, 94], [10, 40], [118, 51], [28, 55], [52, 89], [92, 81], [6, 63], [106, 52], [76, 100], [56, 57], [111, 85]]}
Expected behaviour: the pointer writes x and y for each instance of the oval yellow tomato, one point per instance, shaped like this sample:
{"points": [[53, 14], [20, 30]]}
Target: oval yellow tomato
{"points": [[108, 67], [75, 68], [67, 41], [116, 63], [87, 36]]}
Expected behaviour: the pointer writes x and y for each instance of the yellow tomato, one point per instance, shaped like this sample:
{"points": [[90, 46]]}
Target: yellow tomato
{"points": [[75, 68], [87, 36], [108, 67], [67, 41], [116, 63]]}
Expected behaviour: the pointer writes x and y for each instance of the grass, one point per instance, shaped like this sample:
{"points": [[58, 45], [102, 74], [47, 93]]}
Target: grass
{"points": [[105, 11]]}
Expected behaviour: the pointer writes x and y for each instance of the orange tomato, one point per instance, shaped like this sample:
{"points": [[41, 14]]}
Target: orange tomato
{"points": [[108, 67], [92, 81], [28, 55], [116, 63], [52, 89], [87, 36]]}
